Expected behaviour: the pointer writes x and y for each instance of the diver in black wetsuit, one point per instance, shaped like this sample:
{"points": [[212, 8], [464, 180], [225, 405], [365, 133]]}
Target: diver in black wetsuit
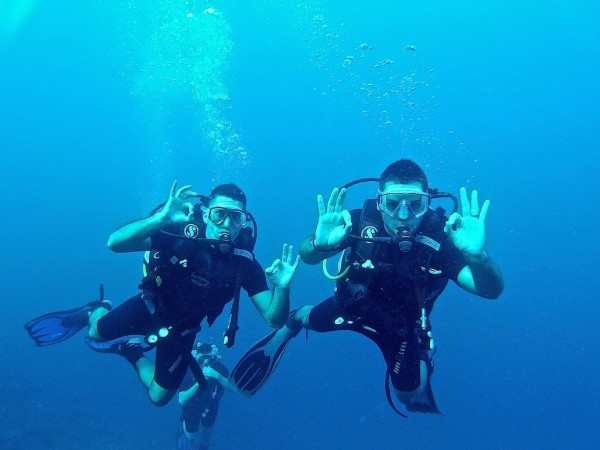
{"points": [[199, 408], [197, 259], [398, 257]]}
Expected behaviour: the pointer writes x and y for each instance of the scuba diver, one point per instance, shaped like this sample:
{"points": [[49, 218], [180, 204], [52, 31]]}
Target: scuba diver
{"points": [[199, 408], [397, 257], [198, 258]]}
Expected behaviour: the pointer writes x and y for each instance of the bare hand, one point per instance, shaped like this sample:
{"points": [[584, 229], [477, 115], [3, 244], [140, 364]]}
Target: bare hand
{"points": [[178, 208], [209, 372], [282, 271], [334, 222], [467, 232]]}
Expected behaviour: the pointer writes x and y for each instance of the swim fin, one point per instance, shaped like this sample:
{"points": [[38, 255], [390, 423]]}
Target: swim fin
{"points": [[426, 402], [131, 348], [256, 366], [59, 326]]}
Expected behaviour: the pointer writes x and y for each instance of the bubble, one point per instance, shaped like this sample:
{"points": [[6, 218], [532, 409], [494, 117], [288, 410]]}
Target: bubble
{"points": [[181, 58]]}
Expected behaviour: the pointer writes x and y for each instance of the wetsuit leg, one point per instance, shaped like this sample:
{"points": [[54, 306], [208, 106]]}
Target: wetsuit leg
{"points": [[171, 364], [209, 414], [133, 318], [409, 370], [401, 350], [401, 355], [329, 316], [129, 318], [425, 402], [191, 415]]}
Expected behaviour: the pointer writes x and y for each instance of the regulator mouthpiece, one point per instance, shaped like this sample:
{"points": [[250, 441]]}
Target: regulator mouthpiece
{"points": [[405, 239], [225, 243]]}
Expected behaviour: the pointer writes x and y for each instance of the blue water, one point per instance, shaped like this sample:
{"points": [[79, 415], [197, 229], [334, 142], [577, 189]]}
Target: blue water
{"points": [[103, 104]]}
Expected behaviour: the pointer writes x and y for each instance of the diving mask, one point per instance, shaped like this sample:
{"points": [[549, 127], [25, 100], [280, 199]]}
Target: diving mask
{"points": [[206, 351], [218, 215], [403, 205]]}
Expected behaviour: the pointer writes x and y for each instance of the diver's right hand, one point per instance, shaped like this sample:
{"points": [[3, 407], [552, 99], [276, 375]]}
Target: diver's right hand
{"points": [[334, 222], [178, 208], [209, 372]]}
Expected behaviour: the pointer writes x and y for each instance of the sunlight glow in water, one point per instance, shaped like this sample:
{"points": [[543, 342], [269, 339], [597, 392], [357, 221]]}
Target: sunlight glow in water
{"points": [[13, 15]]}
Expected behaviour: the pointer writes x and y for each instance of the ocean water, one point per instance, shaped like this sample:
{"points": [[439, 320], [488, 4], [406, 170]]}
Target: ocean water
{"points": [[103, 104]]}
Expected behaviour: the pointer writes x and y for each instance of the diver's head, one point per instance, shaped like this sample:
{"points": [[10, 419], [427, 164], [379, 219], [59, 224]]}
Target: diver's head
{"points": [[402, 197], [226, 213], [208, 353], [403, 171]]}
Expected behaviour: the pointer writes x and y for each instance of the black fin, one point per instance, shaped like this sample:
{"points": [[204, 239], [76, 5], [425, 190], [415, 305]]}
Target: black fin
{"points": [[256, 366]]}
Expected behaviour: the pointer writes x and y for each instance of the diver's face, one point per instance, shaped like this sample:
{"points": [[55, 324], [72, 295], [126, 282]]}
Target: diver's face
{"points": [[203, 360], [402, 206], [224, 215]]}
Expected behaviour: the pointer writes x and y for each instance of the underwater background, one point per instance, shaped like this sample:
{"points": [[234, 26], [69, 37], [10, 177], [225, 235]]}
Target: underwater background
{"points": [[103, 104]]}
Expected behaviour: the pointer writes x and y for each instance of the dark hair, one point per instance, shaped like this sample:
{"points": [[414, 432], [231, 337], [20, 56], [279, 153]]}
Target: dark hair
{"points": [[403, 171], [228, 190]]}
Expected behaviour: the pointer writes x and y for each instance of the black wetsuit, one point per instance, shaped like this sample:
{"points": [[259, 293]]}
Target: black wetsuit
{"points": [[203, 406], [184, 285], [383, 303]]}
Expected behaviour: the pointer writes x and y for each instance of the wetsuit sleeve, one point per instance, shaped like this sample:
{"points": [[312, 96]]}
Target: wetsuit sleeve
{"points": [[161, 240], [254, 280], [453, 261], [355, 216]]}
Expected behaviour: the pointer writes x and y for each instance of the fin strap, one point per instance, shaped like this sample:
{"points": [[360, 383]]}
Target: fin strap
{"points": [[389, 395]]}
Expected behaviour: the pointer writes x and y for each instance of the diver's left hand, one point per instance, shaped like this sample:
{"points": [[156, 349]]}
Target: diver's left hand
{"points": [[281, 273], [467, 232]]}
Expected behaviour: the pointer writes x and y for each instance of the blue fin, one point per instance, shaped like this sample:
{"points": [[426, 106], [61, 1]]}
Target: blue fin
{"points": [[58, 326], [131, 348]]}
